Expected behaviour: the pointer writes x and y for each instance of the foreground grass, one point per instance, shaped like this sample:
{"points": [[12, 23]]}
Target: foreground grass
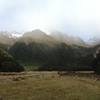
{"points": [[49, 86]]}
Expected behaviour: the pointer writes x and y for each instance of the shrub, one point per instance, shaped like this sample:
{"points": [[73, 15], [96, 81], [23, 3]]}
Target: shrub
{"points": [[8, 64]]}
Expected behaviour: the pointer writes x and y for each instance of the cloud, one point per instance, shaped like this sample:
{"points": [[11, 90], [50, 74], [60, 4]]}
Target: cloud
{"points": [[76, 17]]}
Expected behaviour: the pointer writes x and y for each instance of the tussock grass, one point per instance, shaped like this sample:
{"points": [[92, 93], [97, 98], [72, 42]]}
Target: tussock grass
{"points": [[49, 86]]}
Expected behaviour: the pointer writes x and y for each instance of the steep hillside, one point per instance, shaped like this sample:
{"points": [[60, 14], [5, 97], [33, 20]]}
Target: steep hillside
{"points": [[6, 38], [70, 40], [8, 64], [37, 36]]}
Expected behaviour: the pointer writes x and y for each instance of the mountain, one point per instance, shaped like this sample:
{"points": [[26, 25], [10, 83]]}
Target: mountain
{"points": [[6, 38], [95, 41], [56, 51], [37, 36], [61, 37]]}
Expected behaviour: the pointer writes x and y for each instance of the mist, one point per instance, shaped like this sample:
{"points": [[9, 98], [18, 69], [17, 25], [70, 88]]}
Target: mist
{"points": [[79, 18]]}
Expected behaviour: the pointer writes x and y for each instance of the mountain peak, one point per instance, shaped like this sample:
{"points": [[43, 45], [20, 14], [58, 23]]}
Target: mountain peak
{"points": [[34, 33], [36, 30]]}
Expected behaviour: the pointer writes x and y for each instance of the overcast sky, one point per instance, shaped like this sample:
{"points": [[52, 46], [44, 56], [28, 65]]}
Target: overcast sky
{"points": [[74, 17]]}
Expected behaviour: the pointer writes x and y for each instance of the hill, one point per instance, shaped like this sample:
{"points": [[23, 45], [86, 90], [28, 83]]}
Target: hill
{"points": [[56, 51], [70, 40], [37, 36], [6, 38]]}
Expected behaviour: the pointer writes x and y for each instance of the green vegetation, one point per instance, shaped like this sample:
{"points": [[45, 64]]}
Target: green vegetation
{"points": [[8, 64], [49, 86], [45, 53], [57, 57], [96, 62], [31, 66], [38, 51]]}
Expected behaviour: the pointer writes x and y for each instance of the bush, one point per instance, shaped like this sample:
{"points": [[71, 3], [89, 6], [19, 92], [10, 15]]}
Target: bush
{"points": [[96, 62], [8, 64]]}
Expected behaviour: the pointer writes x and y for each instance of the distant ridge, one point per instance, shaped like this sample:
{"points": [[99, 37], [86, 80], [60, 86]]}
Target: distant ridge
{"points": [[6, 38], [39, 36], [67, 39]]}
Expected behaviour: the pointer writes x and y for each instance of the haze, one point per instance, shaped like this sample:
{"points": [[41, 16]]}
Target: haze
{"points": [[73, 17]]}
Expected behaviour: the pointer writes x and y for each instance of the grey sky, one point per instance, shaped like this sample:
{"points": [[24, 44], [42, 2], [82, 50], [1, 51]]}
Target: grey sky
{"points": [[74, 17]]}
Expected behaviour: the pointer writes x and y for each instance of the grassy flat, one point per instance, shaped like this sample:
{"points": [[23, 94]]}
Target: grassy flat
{"points": [[49, 86]]}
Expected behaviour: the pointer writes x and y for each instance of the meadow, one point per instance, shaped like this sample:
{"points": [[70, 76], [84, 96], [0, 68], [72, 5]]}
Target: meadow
{"points": [[49, 86]]}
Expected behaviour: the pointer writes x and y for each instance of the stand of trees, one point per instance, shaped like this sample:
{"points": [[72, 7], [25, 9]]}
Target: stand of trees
{"points": [[8, 64], [96, 61], [57, 57]]}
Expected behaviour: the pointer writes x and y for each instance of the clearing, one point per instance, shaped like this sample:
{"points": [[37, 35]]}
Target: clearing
{"points": [[49, 86]]}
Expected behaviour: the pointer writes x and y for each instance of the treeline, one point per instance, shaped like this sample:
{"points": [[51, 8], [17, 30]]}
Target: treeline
{"points": [[59, 57], [58, 52], [56, 57], [8, 63]]}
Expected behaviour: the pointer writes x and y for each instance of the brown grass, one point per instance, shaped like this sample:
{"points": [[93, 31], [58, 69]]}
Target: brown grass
{"points": [[49, 86]]}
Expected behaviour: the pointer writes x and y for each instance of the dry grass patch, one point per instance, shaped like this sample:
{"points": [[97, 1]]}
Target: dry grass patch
{"points": [[49, 86]]}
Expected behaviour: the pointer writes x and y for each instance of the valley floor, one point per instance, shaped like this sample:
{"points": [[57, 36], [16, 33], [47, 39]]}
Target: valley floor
{"points": [[49, 86]]}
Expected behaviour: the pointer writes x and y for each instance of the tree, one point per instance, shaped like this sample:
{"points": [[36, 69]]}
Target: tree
{"points": [[96, 62], [8, 64]]}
